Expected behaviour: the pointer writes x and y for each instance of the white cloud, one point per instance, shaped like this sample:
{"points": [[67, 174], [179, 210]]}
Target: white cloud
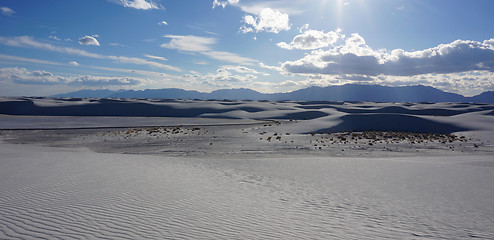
{"points": [[54, 38], [148, 74], [140, 4], [465, 67], [156, 57], [204, 45], [25, 41], [29, 60], [291, 7], [224, 77], [223, 4], [274, 68], [189, 43], [229, 57], [356, 57], [239, 69], [7, 11], [466, 83], [267, 20], [117, 45], [304, 28], [74, 63], [141, 61], [89, 40], [313, 39], [163, 23], [41, 77]]}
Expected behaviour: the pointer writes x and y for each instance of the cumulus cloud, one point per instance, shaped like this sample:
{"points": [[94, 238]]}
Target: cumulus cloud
{"points": [[274, 68], [204, 45], [223, 4], [25, 41], [304, 28], [163, 23], [312, 39], [225, 77], [73, 63], [140, 4], [356, 57], [89, 40], [7, 11], [41, 77], [268, 20], [466, 83]]}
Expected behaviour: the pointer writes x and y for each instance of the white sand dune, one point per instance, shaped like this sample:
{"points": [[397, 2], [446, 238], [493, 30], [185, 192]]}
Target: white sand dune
{"points": [[183, 169], [327, 116]]}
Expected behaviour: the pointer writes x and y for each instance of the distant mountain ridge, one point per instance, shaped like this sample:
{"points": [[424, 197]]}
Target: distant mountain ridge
{"points": [[348, 92]]}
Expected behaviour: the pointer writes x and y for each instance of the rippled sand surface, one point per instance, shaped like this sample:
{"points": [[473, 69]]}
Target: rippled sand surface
{"points": [[62, 193]]}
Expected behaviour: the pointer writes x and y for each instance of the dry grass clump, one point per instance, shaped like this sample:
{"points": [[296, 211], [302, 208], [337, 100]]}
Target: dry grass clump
{"points": [[158, 131], [390, 137]]}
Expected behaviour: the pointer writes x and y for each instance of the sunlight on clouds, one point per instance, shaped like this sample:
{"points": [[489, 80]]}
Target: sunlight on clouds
{"points": [[312, 39], [139, 4], [465, 67], [356, 57], [268, 20], [223, 4]]}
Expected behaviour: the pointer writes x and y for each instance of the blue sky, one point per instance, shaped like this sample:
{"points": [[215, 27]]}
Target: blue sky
{"points": [[56, 46]]}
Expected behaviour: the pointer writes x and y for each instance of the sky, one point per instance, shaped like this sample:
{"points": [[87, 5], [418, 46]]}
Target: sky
{"points": [[57, 46]]}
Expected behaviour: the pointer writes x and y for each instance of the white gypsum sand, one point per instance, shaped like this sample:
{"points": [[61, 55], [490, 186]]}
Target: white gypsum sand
{"points": [[74, 193], [246, 169]]}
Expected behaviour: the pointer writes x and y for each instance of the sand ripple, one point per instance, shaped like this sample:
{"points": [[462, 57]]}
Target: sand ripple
{"points": [[49, 193]]}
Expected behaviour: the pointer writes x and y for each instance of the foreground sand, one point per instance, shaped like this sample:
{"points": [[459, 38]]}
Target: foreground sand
{"points": [[240, 173], [75, 193]]}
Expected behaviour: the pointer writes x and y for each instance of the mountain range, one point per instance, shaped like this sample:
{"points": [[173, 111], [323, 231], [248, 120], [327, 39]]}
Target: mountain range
{"points": [[348, 92]]}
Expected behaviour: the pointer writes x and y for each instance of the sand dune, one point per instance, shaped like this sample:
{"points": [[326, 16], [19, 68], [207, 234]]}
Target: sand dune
{"points": [[391, 122], [182, 169], [356, 116]]}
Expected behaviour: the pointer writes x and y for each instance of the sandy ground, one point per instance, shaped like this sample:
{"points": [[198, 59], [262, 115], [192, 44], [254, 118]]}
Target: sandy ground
{"points": [[255, 140], [255, 170]]}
